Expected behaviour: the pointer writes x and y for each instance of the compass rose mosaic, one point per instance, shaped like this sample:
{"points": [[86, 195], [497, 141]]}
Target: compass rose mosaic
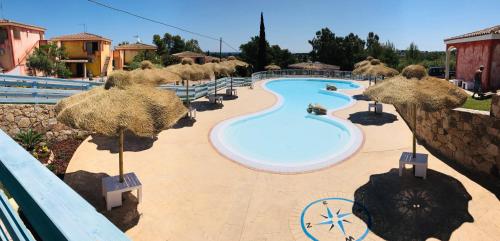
{"points": [[332, 218]]}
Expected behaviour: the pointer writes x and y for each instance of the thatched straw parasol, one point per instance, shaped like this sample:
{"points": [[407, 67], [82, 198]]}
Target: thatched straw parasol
{"points": [[220, 69], [234, 63], [374, 68], [187, 70], [428, 93], [314, 66], [151, 77], [111, 110], [272, 67]]}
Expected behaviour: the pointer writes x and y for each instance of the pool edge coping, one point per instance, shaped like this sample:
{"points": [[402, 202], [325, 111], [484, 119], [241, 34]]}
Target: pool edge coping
{"points": [[357, 140]]}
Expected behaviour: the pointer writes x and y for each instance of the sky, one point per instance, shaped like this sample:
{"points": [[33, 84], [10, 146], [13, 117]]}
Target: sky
{"points": [[289, 23]]}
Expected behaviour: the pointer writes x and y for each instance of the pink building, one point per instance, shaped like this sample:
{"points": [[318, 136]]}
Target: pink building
{"points": [[474, 49], [17, 42]]}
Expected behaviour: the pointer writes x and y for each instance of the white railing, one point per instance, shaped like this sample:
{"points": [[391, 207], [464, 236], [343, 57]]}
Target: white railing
{"points": [[310, 73]]}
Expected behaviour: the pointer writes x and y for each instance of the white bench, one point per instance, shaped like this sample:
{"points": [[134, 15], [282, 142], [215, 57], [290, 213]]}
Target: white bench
{"points": [[378, 108], [457, 82], [192, 113], [419, 163], [232, 92], [112, 189], [215, 99], [468, 85]]}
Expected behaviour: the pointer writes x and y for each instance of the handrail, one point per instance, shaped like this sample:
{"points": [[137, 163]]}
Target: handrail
{"points": [[54, 210], [49, 92], [313, 73]]}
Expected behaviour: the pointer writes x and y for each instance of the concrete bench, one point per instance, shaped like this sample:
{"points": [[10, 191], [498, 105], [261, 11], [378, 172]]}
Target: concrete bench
{"points": [[377, 107], [468, 85], [232, 92], [112, 189], [215, 99], [192, 113], [419, 163]]}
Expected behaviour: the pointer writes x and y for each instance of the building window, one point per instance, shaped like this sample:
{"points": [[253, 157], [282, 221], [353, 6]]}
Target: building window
{"points": [[3, 35], [91, 47], [17, 34]]}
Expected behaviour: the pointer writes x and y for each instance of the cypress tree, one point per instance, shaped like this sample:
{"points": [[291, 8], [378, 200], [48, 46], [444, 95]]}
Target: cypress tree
{"points": [[261, 55]]}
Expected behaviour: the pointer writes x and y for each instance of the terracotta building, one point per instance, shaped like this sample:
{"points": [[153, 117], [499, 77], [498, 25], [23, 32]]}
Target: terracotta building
{"points": [[123, 55], [474, 49], [87, 54], [17, 42]]}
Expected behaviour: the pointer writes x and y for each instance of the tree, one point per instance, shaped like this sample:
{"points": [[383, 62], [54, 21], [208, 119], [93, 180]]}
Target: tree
{"points": [[47, 59], [144, 55], [389, 55], [193, 46], [373, 46], [412, 54], [353, 51], [262, 59], [171, 44], [123, 43], [326, 47], [249, 51], [281, 57]]}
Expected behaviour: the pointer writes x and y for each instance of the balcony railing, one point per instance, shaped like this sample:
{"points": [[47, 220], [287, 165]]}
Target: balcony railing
{"points": [[53, 210]]}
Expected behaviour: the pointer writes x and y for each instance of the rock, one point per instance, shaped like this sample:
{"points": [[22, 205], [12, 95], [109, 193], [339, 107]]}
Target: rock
{"points": [[492, 150], [9, 117], [24, 123]]}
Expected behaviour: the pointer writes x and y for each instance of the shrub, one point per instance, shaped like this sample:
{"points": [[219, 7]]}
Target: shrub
{"points": [[29, 139], [414, 71], [119, 79], [146, 64], [187, 61], [374, 61]]}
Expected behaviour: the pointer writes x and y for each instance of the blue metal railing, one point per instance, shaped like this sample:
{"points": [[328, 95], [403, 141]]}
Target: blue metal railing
{"points": [[27, 89], [54, 210]]}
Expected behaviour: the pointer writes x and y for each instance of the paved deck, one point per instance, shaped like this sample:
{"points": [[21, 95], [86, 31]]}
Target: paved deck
{"points": [[191, 192]]}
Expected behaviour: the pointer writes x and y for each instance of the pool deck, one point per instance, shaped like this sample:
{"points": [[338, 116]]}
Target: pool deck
{"points": [[191, 192]]}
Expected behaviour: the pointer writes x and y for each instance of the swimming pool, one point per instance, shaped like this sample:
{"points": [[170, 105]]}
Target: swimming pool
{"points": [[285, 138]]}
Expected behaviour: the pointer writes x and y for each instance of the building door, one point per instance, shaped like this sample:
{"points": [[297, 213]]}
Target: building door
{"points": [[79, 69]]}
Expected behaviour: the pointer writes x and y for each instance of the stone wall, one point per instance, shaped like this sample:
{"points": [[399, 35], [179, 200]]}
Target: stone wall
{"points": [[495, 106], [471, 138], [17, 117]]}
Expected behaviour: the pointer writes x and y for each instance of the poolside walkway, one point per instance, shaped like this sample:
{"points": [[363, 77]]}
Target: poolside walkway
{"points": [[191, 192]]}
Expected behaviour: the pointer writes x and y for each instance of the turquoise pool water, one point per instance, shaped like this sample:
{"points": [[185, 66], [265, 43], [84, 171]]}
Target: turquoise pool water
{"points": [[286, 138]]}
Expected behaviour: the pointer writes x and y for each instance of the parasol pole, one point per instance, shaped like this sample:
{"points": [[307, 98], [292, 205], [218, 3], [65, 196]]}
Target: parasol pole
{"points": [[120, 155], [414, 130]]}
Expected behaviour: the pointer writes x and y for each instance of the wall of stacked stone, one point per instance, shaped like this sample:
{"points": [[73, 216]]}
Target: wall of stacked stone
{"points": [[495, 106], [42, 118], [471, 138]]}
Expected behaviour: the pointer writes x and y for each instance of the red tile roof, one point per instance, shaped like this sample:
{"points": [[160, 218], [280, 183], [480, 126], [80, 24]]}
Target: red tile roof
{"points": [[6, 22], [188, 54], [486, 31], [81, 36], [135, 46]]}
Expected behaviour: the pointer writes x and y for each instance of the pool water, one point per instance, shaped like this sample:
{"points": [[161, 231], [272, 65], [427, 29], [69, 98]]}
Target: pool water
{"points": [[286, 138]]}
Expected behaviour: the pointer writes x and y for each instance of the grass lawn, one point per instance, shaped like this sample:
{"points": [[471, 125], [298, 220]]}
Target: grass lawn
{"points": [[477, 104]]}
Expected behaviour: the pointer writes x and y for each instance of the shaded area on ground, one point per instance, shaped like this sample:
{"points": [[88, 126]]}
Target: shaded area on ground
{"points": [[488, 182], [368, 118], [205, 105], [410, 208], [184, 122], [89, 186], [361, 97], [131, 142], [229, 97]]}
